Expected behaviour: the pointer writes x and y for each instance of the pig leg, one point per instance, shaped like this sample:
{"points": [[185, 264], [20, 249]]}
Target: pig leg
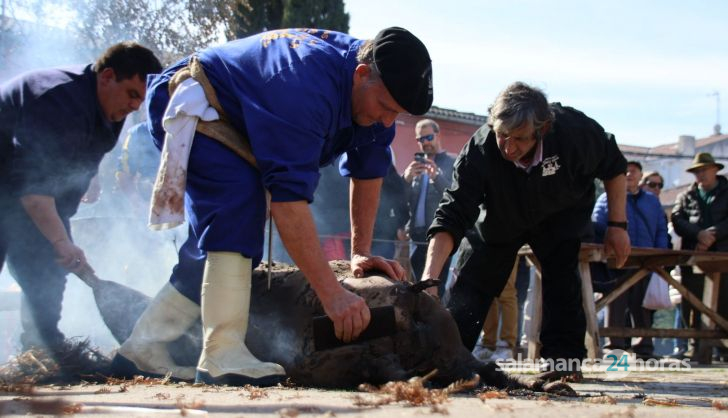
{"points": [[492, 375]]}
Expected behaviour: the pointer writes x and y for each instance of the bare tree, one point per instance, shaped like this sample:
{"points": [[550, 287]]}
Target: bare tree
{"points": [[172, 28]]}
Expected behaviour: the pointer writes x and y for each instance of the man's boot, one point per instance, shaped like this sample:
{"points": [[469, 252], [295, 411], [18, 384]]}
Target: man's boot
{"points": [[225, 359], [145, 352]]}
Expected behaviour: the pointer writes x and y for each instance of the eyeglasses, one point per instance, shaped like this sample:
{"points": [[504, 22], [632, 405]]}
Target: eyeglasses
{"points": [[654, 185], [423, 138]]}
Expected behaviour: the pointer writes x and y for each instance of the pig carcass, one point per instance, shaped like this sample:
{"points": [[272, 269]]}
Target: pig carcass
{"points": [[426, 337]]}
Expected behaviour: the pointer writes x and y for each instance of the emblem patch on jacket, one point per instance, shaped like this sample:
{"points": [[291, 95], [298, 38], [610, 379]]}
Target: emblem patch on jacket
{"points": [[550, 166]]}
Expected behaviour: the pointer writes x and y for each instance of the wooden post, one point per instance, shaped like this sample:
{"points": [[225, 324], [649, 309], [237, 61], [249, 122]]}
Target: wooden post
{"points": [[534, 330], [614, 294], [591, 340]]}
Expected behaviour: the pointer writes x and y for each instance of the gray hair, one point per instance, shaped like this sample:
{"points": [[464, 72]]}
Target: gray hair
{"points": [[365, 55], [428, 122], [517, 105]]}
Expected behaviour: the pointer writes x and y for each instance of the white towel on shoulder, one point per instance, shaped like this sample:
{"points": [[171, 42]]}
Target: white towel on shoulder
{"points": [[186, 106]]}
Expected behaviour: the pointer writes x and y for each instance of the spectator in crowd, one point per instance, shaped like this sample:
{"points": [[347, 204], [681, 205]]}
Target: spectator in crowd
{"points": [[330, 208], [653, 182], [137, 168], [647, 227], [55, 127], [700, 218], [428, 176], [531, 170], [392, 215], [500, 328]]}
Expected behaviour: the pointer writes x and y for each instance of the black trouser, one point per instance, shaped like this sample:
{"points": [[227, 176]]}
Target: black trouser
{"points": [[31, 261], [484, 275], [695, 283], [627, 311]]}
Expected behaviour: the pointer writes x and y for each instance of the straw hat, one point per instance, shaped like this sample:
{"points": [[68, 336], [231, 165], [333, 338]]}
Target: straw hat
{"points": [[703, 159]]}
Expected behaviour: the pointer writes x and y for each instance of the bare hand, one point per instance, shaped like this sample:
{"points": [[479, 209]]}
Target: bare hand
{"points": [[414, 169], [362, 263], [616, 242], [71, 257], [349, 313], [431, 168]]}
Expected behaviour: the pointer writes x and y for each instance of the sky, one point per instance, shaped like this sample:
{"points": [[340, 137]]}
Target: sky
{"points": [[646, 70]]}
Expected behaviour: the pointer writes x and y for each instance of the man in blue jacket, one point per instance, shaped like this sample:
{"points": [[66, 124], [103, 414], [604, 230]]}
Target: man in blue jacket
{"points": [[302, 98], [647, 227], [55, 127]]}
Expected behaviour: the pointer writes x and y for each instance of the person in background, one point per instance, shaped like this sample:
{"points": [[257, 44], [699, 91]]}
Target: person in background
{"points": [[500, 328], [330, 209], [653, 182], [530, 170], [700, 217], [137, 168], [647, 227], [392, 215], [427, 176], [55, 127]]}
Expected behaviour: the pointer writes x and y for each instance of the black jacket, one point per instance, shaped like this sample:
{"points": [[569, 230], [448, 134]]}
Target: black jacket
{"points": [[53, 135], [555, 198], [392, 212], [688, 219]]}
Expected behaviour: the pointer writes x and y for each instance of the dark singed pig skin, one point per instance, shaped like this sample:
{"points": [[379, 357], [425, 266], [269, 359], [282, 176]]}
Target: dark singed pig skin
{"points": [[427, 338]]}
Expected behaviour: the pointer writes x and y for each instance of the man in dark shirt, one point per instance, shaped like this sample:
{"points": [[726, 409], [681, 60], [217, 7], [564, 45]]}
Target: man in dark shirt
{"points": [[427, 176], [532, 170], [55, 127]]}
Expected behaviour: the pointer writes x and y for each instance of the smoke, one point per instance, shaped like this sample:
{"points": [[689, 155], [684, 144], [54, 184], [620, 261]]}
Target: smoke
{"points": [[30, 44]]}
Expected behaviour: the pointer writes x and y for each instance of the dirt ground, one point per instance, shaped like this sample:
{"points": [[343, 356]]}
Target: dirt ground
{"points": [[701, 391]]}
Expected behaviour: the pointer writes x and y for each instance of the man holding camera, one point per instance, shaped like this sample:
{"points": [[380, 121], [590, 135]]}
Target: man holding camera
{"points": [[428, 175]]}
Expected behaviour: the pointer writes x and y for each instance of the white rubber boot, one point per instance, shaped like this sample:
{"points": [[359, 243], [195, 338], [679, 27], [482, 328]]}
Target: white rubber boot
{"points": [[166, 318], [225, 359]]}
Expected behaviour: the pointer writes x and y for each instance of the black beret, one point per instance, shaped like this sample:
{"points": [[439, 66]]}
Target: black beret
{"points": [[405, 68]]}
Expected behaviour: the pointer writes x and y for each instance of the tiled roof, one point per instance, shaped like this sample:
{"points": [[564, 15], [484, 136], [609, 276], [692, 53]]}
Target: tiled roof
{"points": [[671, 149], [702, 142], [633, 148], [455, 116]]}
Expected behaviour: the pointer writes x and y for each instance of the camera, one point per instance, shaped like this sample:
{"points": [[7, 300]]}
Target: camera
{"points": [[420, 157]]}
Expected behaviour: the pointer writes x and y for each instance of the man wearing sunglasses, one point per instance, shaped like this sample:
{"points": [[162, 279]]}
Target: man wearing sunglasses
{"points": [[653, 183], [428, 175], [647, 227]]}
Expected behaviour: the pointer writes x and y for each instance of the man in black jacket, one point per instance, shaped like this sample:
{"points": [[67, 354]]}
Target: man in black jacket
{"points": [[428, 175], [532, 170], [700, 217]]}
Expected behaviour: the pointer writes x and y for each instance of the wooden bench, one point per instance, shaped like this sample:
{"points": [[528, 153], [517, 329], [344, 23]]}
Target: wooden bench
{"points": [[644, 261]]}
